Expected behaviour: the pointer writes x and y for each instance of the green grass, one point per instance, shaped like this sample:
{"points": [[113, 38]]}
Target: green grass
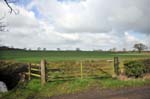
{"points": [[115, 83], [33, 89], [36, 56]]}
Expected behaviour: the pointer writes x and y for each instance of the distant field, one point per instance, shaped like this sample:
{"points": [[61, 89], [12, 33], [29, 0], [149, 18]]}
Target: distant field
{"points": [[36, 56]]}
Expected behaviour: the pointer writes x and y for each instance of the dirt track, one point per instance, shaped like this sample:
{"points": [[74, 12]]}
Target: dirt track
{"points": [[95, 93]]}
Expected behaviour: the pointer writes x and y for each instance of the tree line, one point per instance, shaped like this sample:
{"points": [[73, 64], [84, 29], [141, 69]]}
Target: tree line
{"points": [[137, 47]]}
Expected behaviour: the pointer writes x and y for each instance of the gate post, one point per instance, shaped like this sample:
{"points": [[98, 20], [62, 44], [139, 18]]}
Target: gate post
{"points": [[29, 71], [81, 70], [43, 72], [116, 65]]}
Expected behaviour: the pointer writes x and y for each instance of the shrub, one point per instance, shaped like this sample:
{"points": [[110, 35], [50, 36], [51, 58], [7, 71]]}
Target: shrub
{"points": [[134, 69], [147, 65]]}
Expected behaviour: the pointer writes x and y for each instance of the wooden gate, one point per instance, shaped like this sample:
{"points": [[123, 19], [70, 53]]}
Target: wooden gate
{"points": [[73, 69], [37, 70]]}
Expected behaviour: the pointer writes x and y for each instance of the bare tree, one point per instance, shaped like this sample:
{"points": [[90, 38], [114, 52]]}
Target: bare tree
{"points": [[78, 49], [124, 49], [25, 49], [140, 47], [39, 48], [58, 49], [3, 25], [114, 49], [44, 49], [12, 10]]}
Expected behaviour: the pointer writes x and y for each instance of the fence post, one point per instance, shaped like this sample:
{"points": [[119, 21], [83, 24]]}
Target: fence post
{"points": [[81, 70], [116, 65], [43, 72], [29, 71]]}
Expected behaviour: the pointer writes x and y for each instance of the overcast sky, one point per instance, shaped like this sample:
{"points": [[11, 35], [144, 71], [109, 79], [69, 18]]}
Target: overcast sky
{"points": [[71, 24]]}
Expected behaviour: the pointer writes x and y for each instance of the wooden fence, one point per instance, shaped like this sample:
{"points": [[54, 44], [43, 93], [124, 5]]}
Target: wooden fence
{"points": [[49, 72], [37, 70]]}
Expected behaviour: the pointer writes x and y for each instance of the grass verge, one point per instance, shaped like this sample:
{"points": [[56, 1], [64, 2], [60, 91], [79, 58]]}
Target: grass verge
{"points": [[33, 89]]}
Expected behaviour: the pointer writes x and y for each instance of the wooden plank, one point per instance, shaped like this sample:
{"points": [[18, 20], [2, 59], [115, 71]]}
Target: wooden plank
{"points": [[57, 79], [34, 69], [35, 75], [35, 64], [60, 76], [65, 76]]}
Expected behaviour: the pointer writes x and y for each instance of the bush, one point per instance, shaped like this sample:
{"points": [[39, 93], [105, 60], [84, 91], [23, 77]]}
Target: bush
{"points": [[147, 65], [134, 69]]}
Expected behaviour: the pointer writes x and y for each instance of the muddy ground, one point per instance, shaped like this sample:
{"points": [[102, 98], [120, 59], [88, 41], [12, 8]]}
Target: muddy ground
{"points": [[95, 93]]}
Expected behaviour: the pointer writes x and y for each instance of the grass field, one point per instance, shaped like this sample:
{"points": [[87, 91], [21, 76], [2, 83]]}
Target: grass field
{"points": [[69, 59], [92, 61], [36, 56]]}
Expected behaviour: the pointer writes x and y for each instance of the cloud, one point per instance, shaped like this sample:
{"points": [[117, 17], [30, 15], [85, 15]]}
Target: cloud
{"points": [[84, 24], [130, 40], [97, 16]]}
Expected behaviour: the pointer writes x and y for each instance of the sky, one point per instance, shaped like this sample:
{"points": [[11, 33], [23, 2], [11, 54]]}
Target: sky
{"points": [[71, 24]]}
